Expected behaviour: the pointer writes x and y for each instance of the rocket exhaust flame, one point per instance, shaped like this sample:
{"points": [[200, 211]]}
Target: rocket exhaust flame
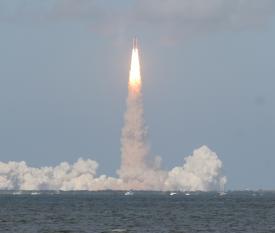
{"points": [[134, 76]]}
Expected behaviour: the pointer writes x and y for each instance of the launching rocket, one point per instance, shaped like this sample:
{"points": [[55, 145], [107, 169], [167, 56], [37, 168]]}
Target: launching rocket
{"points": [[135, 43]]}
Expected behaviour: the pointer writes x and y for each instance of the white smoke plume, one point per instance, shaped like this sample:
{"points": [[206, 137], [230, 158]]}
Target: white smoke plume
{"points": [[138, 169], [201, 171], [133, 139], [78, 176]]}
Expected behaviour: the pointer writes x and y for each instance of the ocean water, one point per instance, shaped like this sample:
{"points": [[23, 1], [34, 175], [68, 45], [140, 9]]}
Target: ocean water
{"points": [[142, 212]]}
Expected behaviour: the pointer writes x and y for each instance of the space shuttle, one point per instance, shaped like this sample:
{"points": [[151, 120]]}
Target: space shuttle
{"points": [[135, 43]]}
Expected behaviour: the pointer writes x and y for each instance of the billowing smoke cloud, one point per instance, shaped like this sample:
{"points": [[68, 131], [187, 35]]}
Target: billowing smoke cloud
{"points": [[200, 171], [79, 176]]}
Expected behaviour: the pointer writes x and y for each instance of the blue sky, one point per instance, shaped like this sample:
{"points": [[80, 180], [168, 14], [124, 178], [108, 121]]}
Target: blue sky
{"points": [[208, 78]]}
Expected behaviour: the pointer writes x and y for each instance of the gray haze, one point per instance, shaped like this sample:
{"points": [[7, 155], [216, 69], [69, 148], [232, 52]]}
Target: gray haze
{"points": [[208, 78]]}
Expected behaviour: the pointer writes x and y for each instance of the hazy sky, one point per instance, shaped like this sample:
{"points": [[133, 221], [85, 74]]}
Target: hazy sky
{"points": [[208, 78]]}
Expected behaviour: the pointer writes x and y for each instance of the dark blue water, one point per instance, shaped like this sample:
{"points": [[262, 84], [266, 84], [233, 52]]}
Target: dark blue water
{"points": [[143, 212]]}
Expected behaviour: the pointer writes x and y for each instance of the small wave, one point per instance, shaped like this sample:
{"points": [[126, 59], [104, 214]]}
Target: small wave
{"points": [[119, 230], [17, 193], [172, 194], [34, 193]]}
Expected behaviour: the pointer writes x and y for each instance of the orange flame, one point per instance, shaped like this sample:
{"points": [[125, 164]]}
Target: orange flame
{"points": [[135, 77]]}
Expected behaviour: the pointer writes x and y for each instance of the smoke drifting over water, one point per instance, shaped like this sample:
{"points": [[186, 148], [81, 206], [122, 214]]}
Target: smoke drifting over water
{"points": [[201, 171], [138, 171]]}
